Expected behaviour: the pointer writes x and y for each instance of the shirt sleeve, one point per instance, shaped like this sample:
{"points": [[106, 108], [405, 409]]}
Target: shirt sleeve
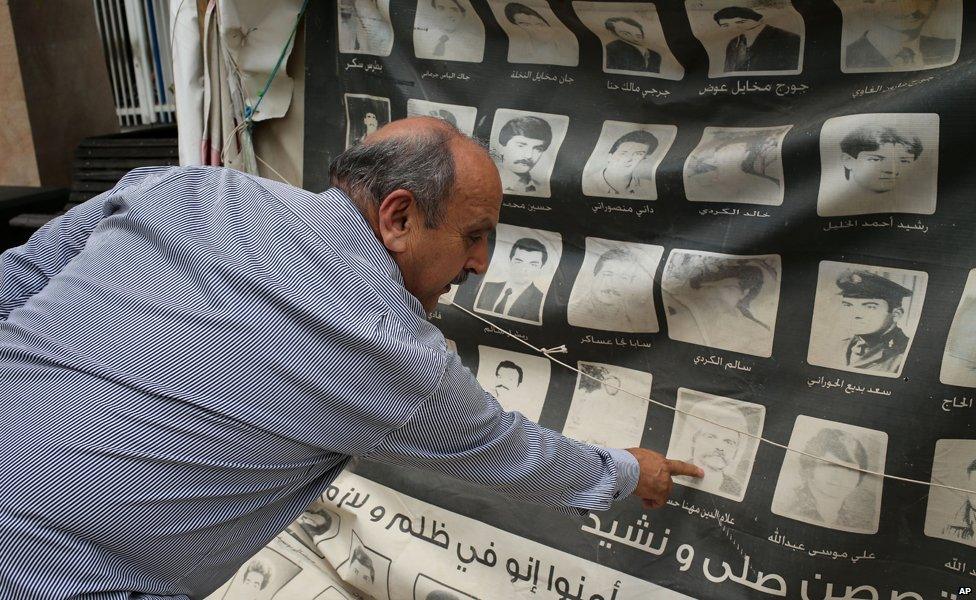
{"points": [[462, 431], [26, 270]]}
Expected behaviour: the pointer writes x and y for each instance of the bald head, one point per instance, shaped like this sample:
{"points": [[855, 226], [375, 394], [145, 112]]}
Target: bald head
{"points": [[426, 156]]}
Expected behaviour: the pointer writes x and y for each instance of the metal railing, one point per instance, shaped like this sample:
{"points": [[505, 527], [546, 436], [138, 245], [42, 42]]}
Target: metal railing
{"points": [[136, 40]]}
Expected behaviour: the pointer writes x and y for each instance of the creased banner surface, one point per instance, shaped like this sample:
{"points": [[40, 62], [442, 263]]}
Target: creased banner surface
{"points": [[757, 211]]}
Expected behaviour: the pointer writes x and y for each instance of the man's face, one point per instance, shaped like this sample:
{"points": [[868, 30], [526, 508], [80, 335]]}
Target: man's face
{"points": [[726, 291], [369, 119], [905, 16], [524, 266], [313, 519], [360, 573], [834, 481], [714, 447], [253, 580], [727, 159], [459, 244], [879, 170], [507, 379], [628, 33], [866, 316], [521, 153], [738, 24], [613, 282], [533, 26], [626, 157], [448, 14]]}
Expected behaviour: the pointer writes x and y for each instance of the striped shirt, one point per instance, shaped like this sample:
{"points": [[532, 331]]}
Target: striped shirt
{"points": [[188, 360]]}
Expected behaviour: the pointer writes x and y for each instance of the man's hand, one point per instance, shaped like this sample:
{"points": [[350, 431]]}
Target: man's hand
{"points": [[655, 483]]}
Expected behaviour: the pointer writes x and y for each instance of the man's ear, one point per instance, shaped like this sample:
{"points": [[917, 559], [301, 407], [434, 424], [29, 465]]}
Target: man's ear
{"points": [[396, 219], [897, 313]]}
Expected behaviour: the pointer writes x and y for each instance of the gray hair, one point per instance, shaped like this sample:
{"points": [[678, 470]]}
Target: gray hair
{"points": [[419, 162]]}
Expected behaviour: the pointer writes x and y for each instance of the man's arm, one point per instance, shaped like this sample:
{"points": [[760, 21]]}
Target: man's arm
{"points": [[462, 431], [26, 270]]}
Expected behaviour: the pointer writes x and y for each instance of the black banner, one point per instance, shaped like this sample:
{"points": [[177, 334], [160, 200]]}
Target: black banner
{"points": [[759, 212]]}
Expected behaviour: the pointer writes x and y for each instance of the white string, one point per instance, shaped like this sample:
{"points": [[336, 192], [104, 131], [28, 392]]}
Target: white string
{"points": [[280, 176], [548, 354]]}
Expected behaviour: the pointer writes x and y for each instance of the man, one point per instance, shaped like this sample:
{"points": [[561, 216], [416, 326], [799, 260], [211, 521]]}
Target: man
{"points": [[875, 157], [361, 568], [539, 43], [757, 46], [256, 576], [448, 35], [522, 140], [315, 522], [620, 176], [629, 52], [830, 493], [518, 296], [613, 301], [894, 38], [508, 377], [872, 305], [444, 115], [363, 28], [964, 525], [198, 353], [715, 448], [595, 415]]}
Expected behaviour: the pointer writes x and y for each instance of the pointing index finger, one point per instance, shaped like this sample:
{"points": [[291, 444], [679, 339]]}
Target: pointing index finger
{"points": [[678, 467]]}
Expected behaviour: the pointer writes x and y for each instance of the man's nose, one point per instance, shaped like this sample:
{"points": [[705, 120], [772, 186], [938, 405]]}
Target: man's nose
{"points": [[478, 261]]}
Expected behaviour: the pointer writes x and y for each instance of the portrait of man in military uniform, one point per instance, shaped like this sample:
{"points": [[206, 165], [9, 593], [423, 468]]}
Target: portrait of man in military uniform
{"points": [[873, 306], [867, 311]]}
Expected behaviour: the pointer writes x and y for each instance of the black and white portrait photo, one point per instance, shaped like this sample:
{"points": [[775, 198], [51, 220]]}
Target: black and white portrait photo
{"points": [[448, 30], [625, 159], [748, 37], [261, 577], [535, 34], [710, 432], [427, 588], [316, 525], [864, 317], [632, 37], [462, 117], [743, 165], [524, 145], [722, 301], [899, 35], [366, 569], [950, 514], [364, 27], [879, 163], [614, 290], [602, 412], [521, 270], [364, 115], [518, 381], [832, 492], [959, 357]]}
